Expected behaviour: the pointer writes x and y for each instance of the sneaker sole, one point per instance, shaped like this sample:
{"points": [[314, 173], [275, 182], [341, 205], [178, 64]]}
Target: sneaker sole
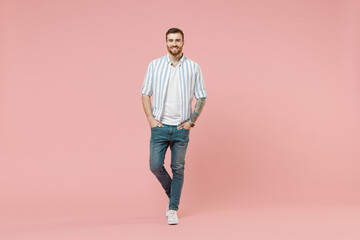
{"points": [[173, 222]]}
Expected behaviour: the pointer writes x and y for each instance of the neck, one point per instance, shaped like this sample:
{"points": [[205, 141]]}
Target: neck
{"points": [[175, 58]]}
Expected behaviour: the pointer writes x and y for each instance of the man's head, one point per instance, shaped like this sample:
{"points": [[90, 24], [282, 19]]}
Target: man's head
{"points": [[174, 41]]}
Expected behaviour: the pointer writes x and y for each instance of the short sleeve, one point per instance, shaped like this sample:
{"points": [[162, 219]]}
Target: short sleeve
{"points": [[148, 81], [200, 91]]}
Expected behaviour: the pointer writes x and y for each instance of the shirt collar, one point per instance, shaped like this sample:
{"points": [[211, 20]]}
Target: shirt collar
{"points": [[181, 61]]}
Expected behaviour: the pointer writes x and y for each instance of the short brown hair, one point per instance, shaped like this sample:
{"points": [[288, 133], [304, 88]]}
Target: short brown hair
{"points": [[174, 30]]}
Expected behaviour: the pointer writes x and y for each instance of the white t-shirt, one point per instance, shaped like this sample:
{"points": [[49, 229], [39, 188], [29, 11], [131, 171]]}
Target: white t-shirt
{"points": [[172, 110]]}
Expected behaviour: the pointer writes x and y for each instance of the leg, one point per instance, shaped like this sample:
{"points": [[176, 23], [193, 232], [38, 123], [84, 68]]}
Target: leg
{"points": [[158, 146], [178, 147]]}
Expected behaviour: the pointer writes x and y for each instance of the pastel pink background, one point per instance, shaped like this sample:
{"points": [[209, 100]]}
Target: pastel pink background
{"points": [[281, 125]]}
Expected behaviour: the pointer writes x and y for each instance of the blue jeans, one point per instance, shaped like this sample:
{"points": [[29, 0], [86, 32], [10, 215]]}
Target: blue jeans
{"points": [[161, 139]]}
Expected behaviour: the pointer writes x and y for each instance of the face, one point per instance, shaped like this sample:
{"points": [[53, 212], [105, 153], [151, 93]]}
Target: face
{"points": [[174, 43]]}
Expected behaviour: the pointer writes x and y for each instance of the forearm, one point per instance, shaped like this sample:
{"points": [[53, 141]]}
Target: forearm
{"points": [[197, 110], [146, 102]]}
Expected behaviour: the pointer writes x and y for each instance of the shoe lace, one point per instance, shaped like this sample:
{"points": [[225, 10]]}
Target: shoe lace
{"points": [[172, 213]]}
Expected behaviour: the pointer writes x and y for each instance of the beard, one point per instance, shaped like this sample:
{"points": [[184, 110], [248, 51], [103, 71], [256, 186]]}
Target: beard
{"points": [[174, 51]]}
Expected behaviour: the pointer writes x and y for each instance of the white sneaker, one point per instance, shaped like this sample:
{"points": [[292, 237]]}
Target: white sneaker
{"points": [[172, 217], [167, 209]]}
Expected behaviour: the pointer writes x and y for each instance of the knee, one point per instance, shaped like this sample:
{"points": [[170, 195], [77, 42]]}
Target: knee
{"points": [[178, 168], [155, 168]]}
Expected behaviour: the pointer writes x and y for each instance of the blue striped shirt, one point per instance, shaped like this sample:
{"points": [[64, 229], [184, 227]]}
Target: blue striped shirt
{"points": [[157, 79]]}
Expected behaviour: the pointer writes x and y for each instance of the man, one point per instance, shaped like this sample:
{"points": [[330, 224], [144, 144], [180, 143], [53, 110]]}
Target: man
{"points": [[173, 81]]}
